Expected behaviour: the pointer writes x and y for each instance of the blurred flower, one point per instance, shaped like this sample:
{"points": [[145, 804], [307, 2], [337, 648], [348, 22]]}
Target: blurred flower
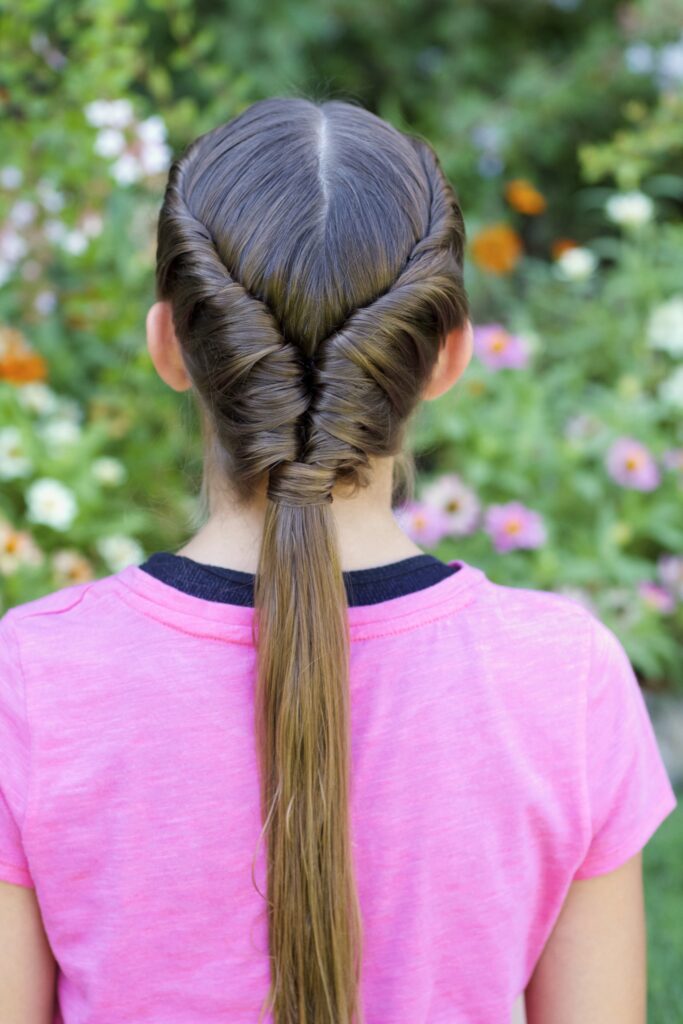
{"points": [[672, 458], [45, 301], [498, 348], [497, 248], [575, 264], [108, 471], [560, 245], [451, 496], [22, 213], [14, 460], [91, 223], [656, 597], [59, 432], [74, 242], [423, 523], [490, 164], [109, 142], [152, 130], [11, 177], [670, 64], [583, 426], [50, 502], [70, 566], [513, 525], [49, 195], [665, 326], [119, 551], [13, 248], [630, 209], [671, 390], [38, 398], [17, 548], [109, 113], [639, 58], [126, 169], [19, 364], [630, 464], [670, 573], [522, 196]]}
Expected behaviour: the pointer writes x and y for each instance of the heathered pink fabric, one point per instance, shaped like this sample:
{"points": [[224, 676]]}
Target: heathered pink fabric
{"points": [[501, 748]]}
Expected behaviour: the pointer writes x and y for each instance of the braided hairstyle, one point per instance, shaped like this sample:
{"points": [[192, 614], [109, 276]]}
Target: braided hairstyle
{"points": [[313, 258]]}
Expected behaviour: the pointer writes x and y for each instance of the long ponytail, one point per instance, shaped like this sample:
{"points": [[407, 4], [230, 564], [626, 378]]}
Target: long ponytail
{"points": [[312, 255]]}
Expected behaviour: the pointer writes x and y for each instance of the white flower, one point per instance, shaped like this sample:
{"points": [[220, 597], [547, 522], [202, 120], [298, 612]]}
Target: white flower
{"points": [[22, 213], [45, 302], [91, 224], [576, 264], [54, 230], [671, 389], [5, 271], [11, 176], [59, 432], [69, 409], [119, 551], [50, 196], [109, 142], [109, 113], [13, 245], [665, 326], [74, 242], [639, 58], [126, 169], [152, 129], [37, 397], [14, 461], [50, 502], [459, 502], [108, 471], [670, 63], [155, 157], [630, 209]]}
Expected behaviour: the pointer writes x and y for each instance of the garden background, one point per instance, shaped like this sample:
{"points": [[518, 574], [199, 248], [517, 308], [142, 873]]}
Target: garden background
{"points": [[556, 461]]}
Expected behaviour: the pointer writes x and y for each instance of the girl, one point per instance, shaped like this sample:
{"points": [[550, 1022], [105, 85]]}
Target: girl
{"points": [[300, 770]]}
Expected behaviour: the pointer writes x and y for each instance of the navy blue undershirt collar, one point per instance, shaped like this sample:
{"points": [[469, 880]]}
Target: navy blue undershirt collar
{"points": [[232, 586]]}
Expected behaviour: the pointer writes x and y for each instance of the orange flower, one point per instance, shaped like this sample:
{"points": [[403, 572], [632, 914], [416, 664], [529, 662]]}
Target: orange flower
{"points": [[19, 364], [561, 245], [497, 248], [522, 196]]}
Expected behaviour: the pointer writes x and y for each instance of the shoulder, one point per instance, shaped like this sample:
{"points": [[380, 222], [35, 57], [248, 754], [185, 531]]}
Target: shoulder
{"points": [[50, 618]]}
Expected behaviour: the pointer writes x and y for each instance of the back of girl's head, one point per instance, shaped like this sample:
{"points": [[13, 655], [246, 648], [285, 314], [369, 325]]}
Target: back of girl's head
{"points": [[312, 256]]}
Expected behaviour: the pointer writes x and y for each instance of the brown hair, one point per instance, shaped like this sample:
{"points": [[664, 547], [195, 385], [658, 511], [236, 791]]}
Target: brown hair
{"points": [[313, 257]]}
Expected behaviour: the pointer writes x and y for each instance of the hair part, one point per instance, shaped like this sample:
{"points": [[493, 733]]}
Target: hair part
{"points": [[313, 258]]}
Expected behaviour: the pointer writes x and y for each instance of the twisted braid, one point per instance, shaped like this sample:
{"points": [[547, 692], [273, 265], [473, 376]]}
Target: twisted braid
{"points": [[307, 429]]}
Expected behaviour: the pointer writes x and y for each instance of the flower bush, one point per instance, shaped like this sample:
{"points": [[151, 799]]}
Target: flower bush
{"points": [[557, 459]]}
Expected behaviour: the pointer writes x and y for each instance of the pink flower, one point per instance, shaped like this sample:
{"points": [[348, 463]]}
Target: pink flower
{"points": [[656, 597], [672, 458], [670, 573], [498, 348], [423, 523], [459, 503], [513, 525], [630, 463]]}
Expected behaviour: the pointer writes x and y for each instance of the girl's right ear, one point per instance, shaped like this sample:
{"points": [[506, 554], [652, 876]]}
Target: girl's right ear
{"points": [[164, 347]]}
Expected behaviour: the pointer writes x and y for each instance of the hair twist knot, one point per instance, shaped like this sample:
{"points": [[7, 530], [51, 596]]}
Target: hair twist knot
{"points": [[300, 483]]}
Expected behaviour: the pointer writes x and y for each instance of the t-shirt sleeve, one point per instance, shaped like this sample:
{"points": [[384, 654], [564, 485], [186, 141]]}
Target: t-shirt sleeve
{"points": [[628, 789], [14, 760]]}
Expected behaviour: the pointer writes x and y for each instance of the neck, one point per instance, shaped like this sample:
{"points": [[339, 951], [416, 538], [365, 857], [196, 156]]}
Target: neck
{"points": [[367, 531]]}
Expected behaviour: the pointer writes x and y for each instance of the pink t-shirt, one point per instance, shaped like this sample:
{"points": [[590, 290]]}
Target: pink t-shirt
{"points": [[501, 748]]}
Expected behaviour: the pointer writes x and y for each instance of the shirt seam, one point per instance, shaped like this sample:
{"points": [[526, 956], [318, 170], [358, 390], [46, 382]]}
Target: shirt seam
{"points": [[466, 597]]}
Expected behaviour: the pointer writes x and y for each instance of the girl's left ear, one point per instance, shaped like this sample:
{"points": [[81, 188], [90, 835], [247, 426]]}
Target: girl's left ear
{"points": [[164, 347], [454, 356]]}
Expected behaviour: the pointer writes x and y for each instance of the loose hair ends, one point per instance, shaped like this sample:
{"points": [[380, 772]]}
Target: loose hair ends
{"points": [[302, 728]]}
